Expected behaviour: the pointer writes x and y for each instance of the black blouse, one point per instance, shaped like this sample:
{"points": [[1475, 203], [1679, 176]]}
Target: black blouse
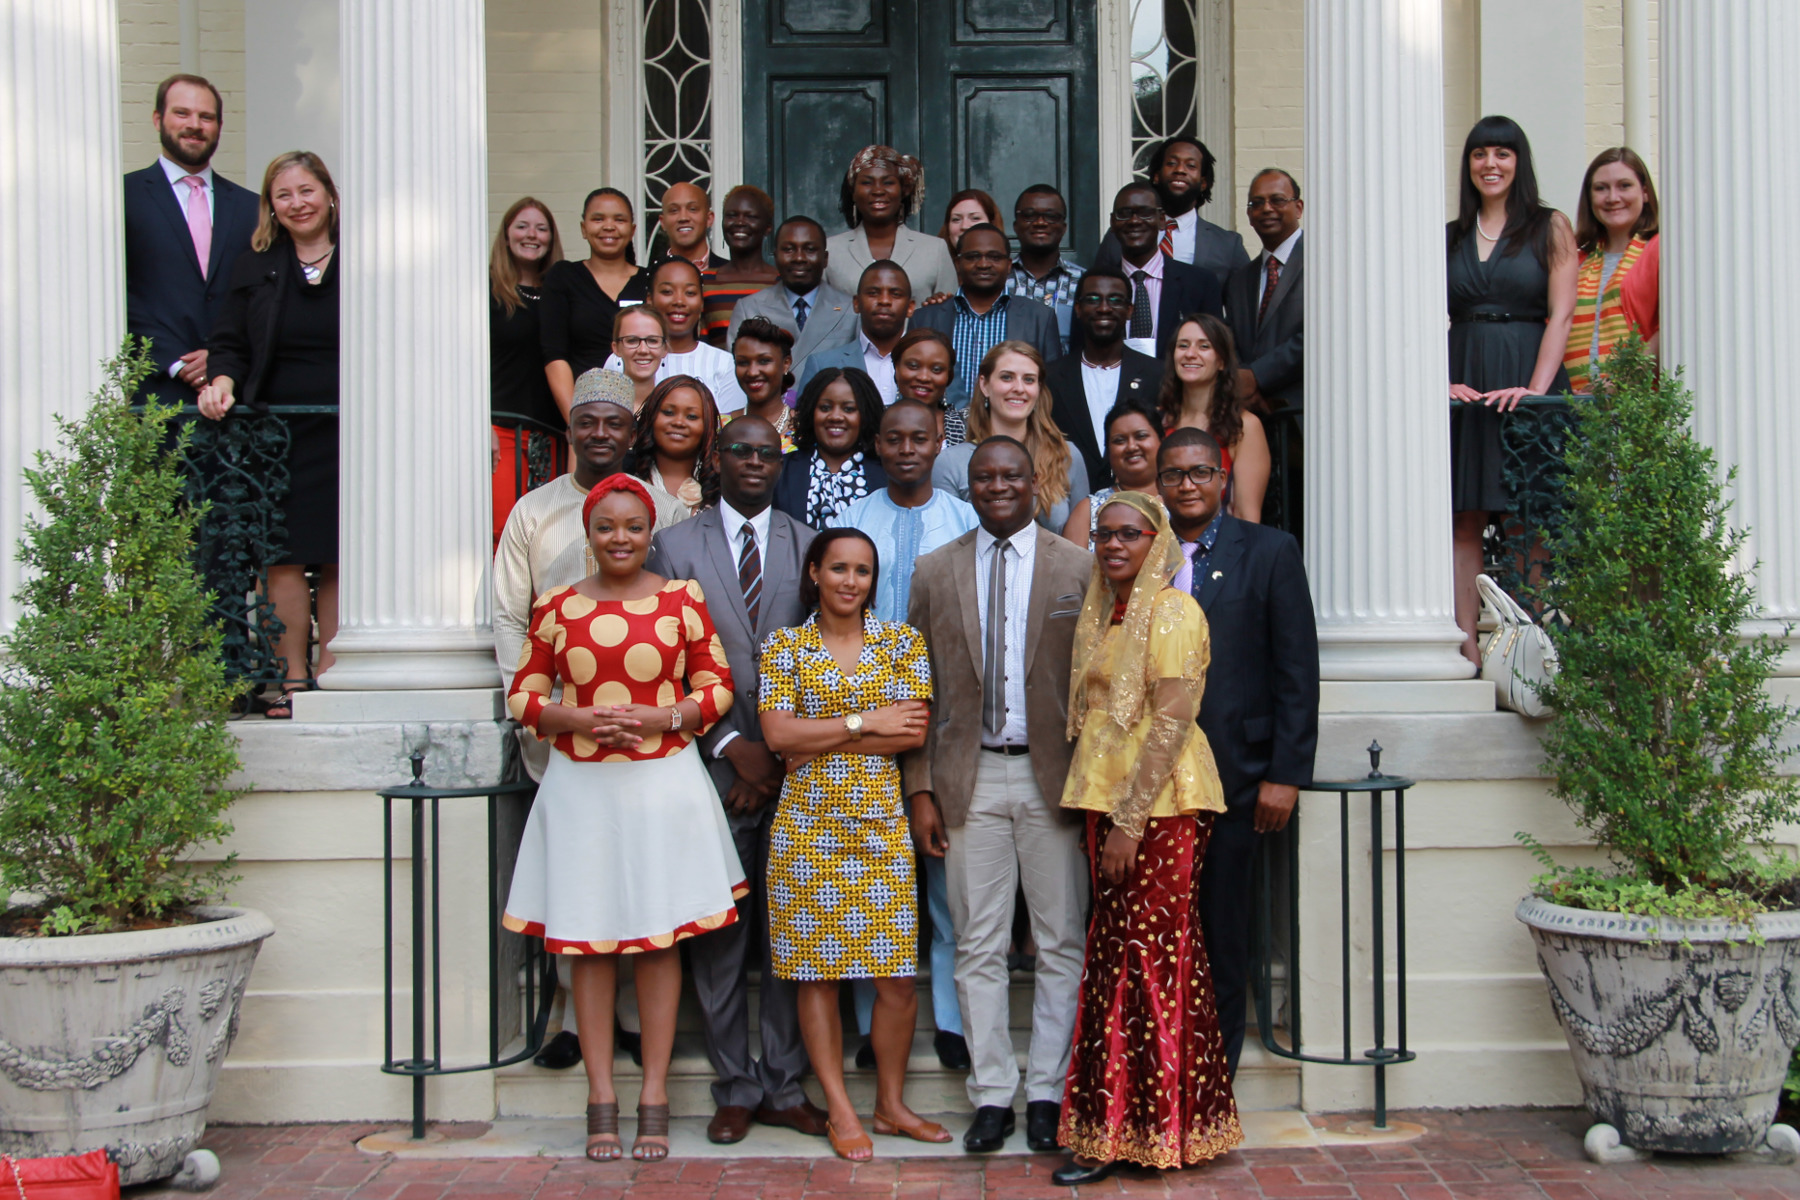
{"points": [[576, 317], [516, 381]]}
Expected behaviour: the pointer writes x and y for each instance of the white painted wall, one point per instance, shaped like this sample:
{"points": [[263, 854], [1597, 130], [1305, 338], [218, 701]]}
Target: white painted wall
{"points": [[293, 95], [1533, 70]]}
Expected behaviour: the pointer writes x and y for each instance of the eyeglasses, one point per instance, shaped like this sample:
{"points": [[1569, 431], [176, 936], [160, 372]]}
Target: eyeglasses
{"points": [[1123, 215], [976, 256], [744, 452], [650, 341], [1124, 537], [1039, 218], [1278, 203], [1200, 476], [1103, 301]]}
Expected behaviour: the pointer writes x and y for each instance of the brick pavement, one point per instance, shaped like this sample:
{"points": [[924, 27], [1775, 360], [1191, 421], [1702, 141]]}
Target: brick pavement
{"points": [[1492, 1154]]}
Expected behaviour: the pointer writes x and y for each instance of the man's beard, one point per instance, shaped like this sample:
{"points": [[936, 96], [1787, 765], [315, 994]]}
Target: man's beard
{"points": [[173, 148], [1174, 205]]}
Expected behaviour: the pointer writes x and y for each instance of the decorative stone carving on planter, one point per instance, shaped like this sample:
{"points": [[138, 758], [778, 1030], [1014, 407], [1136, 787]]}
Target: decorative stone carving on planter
{"points": [[115, 1040], [1681, 1031]]}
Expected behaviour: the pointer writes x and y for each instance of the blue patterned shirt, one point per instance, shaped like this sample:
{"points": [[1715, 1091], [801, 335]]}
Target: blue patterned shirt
{"points": [[901, 535], [973, 335], [1055, 291]]}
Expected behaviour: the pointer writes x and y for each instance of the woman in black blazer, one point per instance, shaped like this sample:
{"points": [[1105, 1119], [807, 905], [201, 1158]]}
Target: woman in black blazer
{"points": [[276, 343], [834, 462]]}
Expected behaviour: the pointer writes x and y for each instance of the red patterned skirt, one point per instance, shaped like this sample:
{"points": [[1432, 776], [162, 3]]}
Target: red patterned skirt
{"points": [[1147, 1079]]}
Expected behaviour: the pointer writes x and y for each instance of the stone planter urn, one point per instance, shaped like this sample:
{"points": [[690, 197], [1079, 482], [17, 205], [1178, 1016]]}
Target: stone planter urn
{"points": [[114, 1041], [1681, 1030]]}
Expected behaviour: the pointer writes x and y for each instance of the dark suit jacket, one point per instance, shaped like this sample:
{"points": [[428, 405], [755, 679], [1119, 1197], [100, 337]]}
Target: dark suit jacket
{"points": [[1273, 349], [1139, 377], [1260, 711], [1185, 290], [1026, 321], [1216, 249], [243, 341], [699, 549], [166, 298], [942, 608], [790, 488]]}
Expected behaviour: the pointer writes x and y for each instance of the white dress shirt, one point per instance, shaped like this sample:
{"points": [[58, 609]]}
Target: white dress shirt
{"points": [[1101, 386], [1021, 560], [1187, 226], [176, 173], [735, 523], [880, 368]]}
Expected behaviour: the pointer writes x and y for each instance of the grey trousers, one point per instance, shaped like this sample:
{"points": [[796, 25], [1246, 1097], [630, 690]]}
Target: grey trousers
{"points": [[1012, 837], [718, 962]]}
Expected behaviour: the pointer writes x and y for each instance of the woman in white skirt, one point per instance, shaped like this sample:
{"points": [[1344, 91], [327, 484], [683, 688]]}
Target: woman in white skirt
{"points": [[627, 850]]}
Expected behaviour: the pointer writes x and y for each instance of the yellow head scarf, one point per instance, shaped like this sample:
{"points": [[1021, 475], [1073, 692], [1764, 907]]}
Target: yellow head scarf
{"points": [[1126, 703]]}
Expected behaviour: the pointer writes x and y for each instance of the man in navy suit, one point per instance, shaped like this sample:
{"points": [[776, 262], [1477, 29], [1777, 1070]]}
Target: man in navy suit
{"points": [[176, 209], [1260, 710], [1163, 289]]}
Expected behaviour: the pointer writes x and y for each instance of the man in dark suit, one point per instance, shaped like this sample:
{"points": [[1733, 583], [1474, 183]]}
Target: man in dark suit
{"points": [[1260, 712], [817, 314], [982, 315], [1162, 290], [1181, 170], [185, 225], [998, 608], [1265, 304], [1085, 386], [747, 559]]}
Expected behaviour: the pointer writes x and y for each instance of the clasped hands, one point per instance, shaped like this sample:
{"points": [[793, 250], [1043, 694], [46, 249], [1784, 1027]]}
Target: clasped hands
{"points": [[1500, 399]]}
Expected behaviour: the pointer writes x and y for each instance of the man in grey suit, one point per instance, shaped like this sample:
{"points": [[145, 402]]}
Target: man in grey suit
{"points": [[747, 559], [1181, 171], [817, 314], [998, 608], [982, 315], [1264, 302]]}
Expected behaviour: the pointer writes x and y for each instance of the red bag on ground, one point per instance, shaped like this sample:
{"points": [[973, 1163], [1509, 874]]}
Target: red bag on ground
{"points": [[90, 1176]]}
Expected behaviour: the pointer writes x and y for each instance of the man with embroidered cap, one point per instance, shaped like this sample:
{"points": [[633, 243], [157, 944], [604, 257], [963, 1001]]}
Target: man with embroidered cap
{"points": [[543, 546]]}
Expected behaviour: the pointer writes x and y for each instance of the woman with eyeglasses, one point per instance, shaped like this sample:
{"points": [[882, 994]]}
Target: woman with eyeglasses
{"points": [[1199, 389], [581, 299], [640, 343], [673, 449], [834, 463], [677, 291], [763, 355], [1131, 444], [1147, 1077]]}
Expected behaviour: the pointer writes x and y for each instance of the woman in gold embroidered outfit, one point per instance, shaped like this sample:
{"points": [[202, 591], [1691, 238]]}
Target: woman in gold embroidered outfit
{"points": [[1147, 1080]]}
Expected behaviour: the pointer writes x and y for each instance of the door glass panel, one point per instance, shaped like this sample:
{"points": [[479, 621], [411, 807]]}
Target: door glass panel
{"points": [[1163, 64], [677, 101]]}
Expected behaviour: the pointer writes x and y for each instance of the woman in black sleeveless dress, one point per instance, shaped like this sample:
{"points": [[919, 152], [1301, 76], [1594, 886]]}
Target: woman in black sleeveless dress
{"points": [[1511, 278]]}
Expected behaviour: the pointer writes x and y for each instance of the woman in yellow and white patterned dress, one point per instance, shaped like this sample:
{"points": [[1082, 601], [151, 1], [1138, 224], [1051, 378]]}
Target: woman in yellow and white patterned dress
{"points": [[843, 694]]}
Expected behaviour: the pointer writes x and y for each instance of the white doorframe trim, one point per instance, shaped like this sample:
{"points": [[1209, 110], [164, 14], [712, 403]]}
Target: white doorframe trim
{"points": [[727, 105], [1113, 82], [625, 107]]}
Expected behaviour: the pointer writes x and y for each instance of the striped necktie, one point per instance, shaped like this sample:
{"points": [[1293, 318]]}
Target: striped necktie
{"points": [[750, 574], [1167, 245]]}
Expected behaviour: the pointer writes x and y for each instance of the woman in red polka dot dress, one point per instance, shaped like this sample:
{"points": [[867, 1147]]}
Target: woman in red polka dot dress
{"points": [[627, 850]]}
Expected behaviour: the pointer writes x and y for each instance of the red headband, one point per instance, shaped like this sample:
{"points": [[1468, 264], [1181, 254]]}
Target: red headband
{"points": [[616, 483]]}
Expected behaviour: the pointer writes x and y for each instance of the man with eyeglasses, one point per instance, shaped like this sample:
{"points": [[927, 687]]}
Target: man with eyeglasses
{"points": [[1163, 291], [1264, 303], [1040, 272], [981, 315], [1085, 385], [1181, 171], [747, 558], [1260, 710]]}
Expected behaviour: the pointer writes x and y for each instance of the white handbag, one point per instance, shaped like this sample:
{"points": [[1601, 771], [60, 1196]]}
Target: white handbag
{"points": [[1517, 654]]}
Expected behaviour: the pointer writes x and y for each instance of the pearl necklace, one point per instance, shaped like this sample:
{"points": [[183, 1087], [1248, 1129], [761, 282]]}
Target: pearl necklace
{"points": [[1484, 233]]}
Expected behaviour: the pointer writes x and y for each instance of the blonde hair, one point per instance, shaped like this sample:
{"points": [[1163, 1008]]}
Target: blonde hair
{"points": [[268, 229], [1049, 449], [503, 264]]}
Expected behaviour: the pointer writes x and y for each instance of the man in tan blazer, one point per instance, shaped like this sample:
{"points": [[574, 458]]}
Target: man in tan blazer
{"points": [[998, 608]]}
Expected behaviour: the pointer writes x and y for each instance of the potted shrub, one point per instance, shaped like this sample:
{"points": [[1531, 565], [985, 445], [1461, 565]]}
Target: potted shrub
{"points": [[119, 991], [1673, 972]]}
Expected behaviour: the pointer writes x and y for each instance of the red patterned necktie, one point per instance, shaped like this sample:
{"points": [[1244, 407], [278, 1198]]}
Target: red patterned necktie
{"points": [[1269, 288], [1167, 245]]}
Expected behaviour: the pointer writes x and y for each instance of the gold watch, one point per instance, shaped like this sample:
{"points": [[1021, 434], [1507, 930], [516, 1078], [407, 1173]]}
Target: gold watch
{"points": [[853, 725]]}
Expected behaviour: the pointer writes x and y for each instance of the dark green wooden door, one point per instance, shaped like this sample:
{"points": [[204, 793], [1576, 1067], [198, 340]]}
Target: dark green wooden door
{"points": [[994, 94]]}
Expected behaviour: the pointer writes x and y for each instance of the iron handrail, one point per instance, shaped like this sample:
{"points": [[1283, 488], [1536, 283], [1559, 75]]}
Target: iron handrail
{"points": [[540, 970]]}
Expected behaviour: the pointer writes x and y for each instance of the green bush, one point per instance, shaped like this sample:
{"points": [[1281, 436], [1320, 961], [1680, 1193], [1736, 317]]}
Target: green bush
{"points": [[1664, 741], [114, 748]]}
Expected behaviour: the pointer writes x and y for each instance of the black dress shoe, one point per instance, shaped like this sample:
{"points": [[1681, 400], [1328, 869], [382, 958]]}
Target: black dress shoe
{"points": [[631, 1043], [1041, 1120], [990, 1129], [1076, 1174], [952, 1051], [560, 1052], [865, 1056]]}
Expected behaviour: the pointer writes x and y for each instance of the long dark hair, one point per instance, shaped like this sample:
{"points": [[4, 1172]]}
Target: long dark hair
{"points": [[642, 456], [815, 556], [1590, 234], [1225, 416], [1527, 216], [868, 409]]}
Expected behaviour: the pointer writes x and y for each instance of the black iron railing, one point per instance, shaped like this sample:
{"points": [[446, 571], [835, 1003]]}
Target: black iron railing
{"points": [[509, 954], [1518, 546], [1376, 787], [540, 452], [1284, 502]]}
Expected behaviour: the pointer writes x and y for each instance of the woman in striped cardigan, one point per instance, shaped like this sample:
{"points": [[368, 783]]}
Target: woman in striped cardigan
{"points": [[1616, 286]]}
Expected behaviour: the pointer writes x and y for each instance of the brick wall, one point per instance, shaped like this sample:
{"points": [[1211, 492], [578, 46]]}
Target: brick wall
{"points": [[1605, 78], [150, 51], [1268, 71]]}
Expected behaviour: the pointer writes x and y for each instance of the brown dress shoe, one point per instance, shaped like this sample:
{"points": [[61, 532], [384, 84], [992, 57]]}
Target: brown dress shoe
{"points": [[805, 1117], [730, 1125]]}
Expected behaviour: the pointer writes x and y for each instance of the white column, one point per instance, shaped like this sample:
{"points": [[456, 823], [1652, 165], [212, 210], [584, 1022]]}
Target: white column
{"points": [[62, 280], [1377, 420], [1730, 163], [414, 538]]}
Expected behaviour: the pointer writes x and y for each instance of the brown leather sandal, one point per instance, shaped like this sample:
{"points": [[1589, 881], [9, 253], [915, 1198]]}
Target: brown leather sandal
{"points": [[919, 1130], [852, 1149], [653, 1122], [603, 1121]]}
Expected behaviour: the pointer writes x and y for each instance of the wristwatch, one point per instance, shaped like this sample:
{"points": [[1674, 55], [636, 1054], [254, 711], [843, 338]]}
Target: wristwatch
{"points": [[674, 717], [853, 725]]}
